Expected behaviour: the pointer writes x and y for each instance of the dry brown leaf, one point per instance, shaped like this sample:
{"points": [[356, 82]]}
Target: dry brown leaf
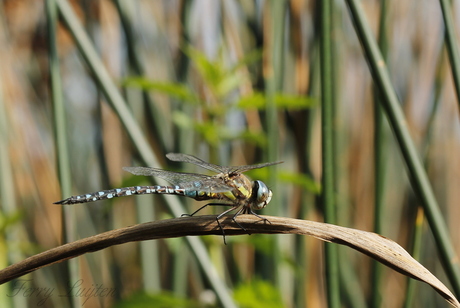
{"points": [[371, 244]]}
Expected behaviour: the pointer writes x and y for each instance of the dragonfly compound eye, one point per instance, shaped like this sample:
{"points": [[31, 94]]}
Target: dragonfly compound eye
{"points": [[263, 195]]}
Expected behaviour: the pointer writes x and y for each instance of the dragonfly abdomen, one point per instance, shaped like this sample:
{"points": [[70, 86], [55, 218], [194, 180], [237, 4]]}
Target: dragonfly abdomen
{"points": [[128, 191]]}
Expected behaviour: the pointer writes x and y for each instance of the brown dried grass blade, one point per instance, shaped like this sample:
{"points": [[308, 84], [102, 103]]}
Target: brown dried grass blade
{"points": [[371, 244]]}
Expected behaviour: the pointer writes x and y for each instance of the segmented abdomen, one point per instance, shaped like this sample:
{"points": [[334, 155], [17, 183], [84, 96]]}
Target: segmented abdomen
{"points": [[126, 191], [140, 190]]}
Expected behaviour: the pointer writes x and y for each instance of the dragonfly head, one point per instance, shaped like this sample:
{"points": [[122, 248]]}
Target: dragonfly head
{"points": [[262, 194]]}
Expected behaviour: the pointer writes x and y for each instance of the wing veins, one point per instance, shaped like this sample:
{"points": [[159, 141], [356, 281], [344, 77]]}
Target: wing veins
{"points": [[192, 181], [179, 157]]}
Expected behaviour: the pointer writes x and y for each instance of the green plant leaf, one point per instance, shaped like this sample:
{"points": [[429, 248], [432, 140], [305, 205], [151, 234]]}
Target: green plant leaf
{"points": [[182, 119], [293, 101], [175, 90], [257, 294], [211, 72], [282, 101], [210, 131], [227, 84], [250, 57], [9, 219], [257, 101], [257, 138], [219, 79], [302, 180]]}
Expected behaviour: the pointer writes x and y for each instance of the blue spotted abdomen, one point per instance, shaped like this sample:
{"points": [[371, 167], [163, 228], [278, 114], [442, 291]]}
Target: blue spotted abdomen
{"points": [[125, 191], [141, 190]]}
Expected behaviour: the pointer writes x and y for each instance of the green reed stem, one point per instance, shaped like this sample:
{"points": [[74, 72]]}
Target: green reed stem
{"points": [[139, 141], [416, 249], [327, 141], [379, 164], [69, 227], [417, 174], [452, 45], [159, 121]]}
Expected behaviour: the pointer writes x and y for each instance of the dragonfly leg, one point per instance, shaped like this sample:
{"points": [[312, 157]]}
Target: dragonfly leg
{"points": [[208, 204], [241, 211], [246, 210], [221, 215], [195, 211], [257, 215]]}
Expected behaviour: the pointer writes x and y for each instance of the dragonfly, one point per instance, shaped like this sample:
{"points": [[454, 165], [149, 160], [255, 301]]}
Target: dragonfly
{"points": [[229, 187]]}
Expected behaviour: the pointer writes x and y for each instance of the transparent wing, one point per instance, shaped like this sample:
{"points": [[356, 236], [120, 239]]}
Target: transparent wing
{"points": [[241, 169], [216, 168], [189, 181], [196, 161]]}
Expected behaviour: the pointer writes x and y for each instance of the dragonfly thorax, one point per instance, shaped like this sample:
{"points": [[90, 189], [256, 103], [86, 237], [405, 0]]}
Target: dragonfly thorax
{"points": [[262, 194]]}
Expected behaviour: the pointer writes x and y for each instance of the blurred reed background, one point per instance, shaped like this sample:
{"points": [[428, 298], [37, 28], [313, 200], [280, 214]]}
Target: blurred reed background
{"points": [[232, 82]]}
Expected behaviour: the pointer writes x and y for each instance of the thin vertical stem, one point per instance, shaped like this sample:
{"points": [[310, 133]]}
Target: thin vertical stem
{"points": [[273, 76], [418, 231], [416, 248], [8, 207], [327, 135], [452, 47], [58, 102], [379, 163], [149, 252], [69, 228], [417, 174], [138, 139], [161, 126]]}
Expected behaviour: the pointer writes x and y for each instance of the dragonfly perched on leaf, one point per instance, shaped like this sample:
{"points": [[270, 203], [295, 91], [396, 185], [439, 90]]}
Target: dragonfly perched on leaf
{"points": [[228, 187]]}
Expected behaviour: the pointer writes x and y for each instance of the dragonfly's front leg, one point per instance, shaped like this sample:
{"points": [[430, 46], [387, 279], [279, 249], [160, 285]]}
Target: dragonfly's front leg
{"points": [[233, 218], [241, 211], [234, 207], [211, 204], [250, 211], [247, 210], [195, 211]]}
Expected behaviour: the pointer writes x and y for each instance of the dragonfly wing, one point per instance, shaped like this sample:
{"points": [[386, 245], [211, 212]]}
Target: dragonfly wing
{"points": [[220, 169], [211, 184], [170, 176], [147, 171], [195, 160], [190, 181], [241, 169]]}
